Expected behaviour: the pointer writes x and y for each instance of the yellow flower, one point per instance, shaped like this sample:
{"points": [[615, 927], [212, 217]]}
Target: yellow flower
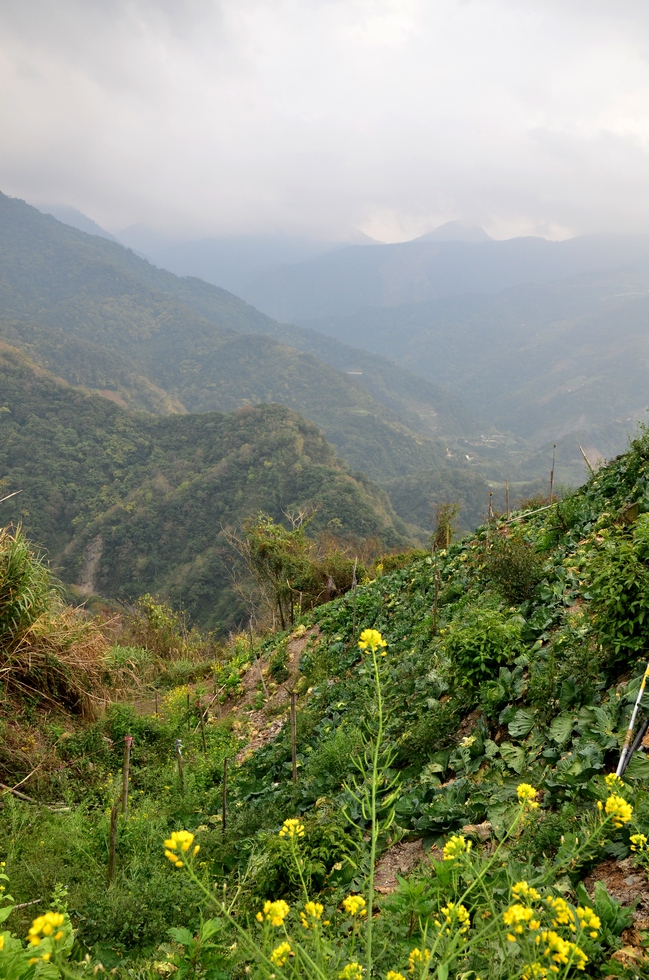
{"points": [[44, 925], [180, 840], [417, 956], [372, 641], [274, 912], [355, 905], [455, 846], [281, 953], [613, 781], [393, 975], [454, 915], [563, 915], [562, 951], [638, 842], [353, 971], [517, 916], [2, 942], [588, 920], [527, 795], [535, 971], [292, 828], [312, 911], [522, 890], [619, 810]]}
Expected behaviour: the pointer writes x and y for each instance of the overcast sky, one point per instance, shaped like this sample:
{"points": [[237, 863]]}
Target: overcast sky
{"points": [[202, 117]]}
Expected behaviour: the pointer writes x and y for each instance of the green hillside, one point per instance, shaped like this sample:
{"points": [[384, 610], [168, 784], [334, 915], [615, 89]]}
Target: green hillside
{"points": [[128, 503], [477, 733], [95, 314], [560, 363]]}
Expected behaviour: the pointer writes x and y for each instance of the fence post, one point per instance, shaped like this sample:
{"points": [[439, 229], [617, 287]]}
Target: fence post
{"points": [[435, 601], [128, 742], [113, 844], [224, 797], [294, 738], [179, 759], [202, 713]]}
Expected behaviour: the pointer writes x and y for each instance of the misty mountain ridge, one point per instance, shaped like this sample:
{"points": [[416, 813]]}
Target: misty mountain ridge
{"points": [[351, 279], [75, 219], [455, 231]]}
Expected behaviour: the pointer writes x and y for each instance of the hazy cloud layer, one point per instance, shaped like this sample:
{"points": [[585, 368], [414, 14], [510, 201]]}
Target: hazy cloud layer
{"points": [[211, 116]]}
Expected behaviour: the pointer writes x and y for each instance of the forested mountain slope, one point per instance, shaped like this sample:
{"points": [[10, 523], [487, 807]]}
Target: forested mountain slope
{"points": [[96, 314], [128, 503], [564, 363]]}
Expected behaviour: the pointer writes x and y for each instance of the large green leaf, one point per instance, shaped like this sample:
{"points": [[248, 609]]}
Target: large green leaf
{"points": [[513, 755], [561, 728], [522, 723]]}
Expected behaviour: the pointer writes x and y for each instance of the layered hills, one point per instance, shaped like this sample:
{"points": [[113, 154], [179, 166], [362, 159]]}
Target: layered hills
{"points": [[563, 362], [128, 503], [355, 277], [98, 315]]}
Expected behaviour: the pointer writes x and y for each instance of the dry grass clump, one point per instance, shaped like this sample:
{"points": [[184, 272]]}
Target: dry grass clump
{"points": [[47, 651]]}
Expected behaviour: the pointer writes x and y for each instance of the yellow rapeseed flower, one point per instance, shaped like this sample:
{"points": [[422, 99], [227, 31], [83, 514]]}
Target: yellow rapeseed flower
{"points": [[274, 912], [562, 951], [2, 942], [619, 810], [455, 846], [292, 828], [454, 916], [638, 842], [180, 840], [588, 920], [527, 795], [281, 953], [417, 956], [353, 971], [563, 915], [312, 914], [613, 781], [393, 975], [372, 642], [522, 890], [535, 971], [517, 916], [355, 905], [44, 925]]}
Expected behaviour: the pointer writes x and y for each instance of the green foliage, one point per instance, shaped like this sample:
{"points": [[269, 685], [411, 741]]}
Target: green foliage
{"points": [[480, 640], [513, 567], [25, 587]]}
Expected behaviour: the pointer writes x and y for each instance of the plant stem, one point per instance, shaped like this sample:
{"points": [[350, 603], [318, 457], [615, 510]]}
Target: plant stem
{"points": [[375, 823]]}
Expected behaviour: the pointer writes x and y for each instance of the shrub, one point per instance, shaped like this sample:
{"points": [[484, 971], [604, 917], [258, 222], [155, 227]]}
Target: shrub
{"points": [[480, 642], [514, 568]]}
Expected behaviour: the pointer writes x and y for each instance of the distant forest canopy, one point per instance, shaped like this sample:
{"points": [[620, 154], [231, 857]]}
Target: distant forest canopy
{"points": [[127, 503], [99, 316]]}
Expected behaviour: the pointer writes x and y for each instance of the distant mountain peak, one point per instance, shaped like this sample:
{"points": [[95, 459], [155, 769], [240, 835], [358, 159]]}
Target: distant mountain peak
{"points": [[76, 219], [456, 231]]}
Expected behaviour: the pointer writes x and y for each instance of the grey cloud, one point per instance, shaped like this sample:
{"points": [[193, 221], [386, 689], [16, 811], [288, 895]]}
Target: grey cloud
{"points": [[203, 117]]}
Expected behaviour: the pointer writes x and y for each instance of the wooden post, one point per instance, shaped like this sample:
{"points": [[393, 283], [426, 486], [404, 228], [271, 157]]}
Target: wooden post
{"points": [[179, 760], [156, 704], [189, 713], [491, 505], [224, 797], [128, 742], [112, 844], [202, 713], [507, 497], [435, 601], [554, 452], [354, 587], [294, 738]]}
